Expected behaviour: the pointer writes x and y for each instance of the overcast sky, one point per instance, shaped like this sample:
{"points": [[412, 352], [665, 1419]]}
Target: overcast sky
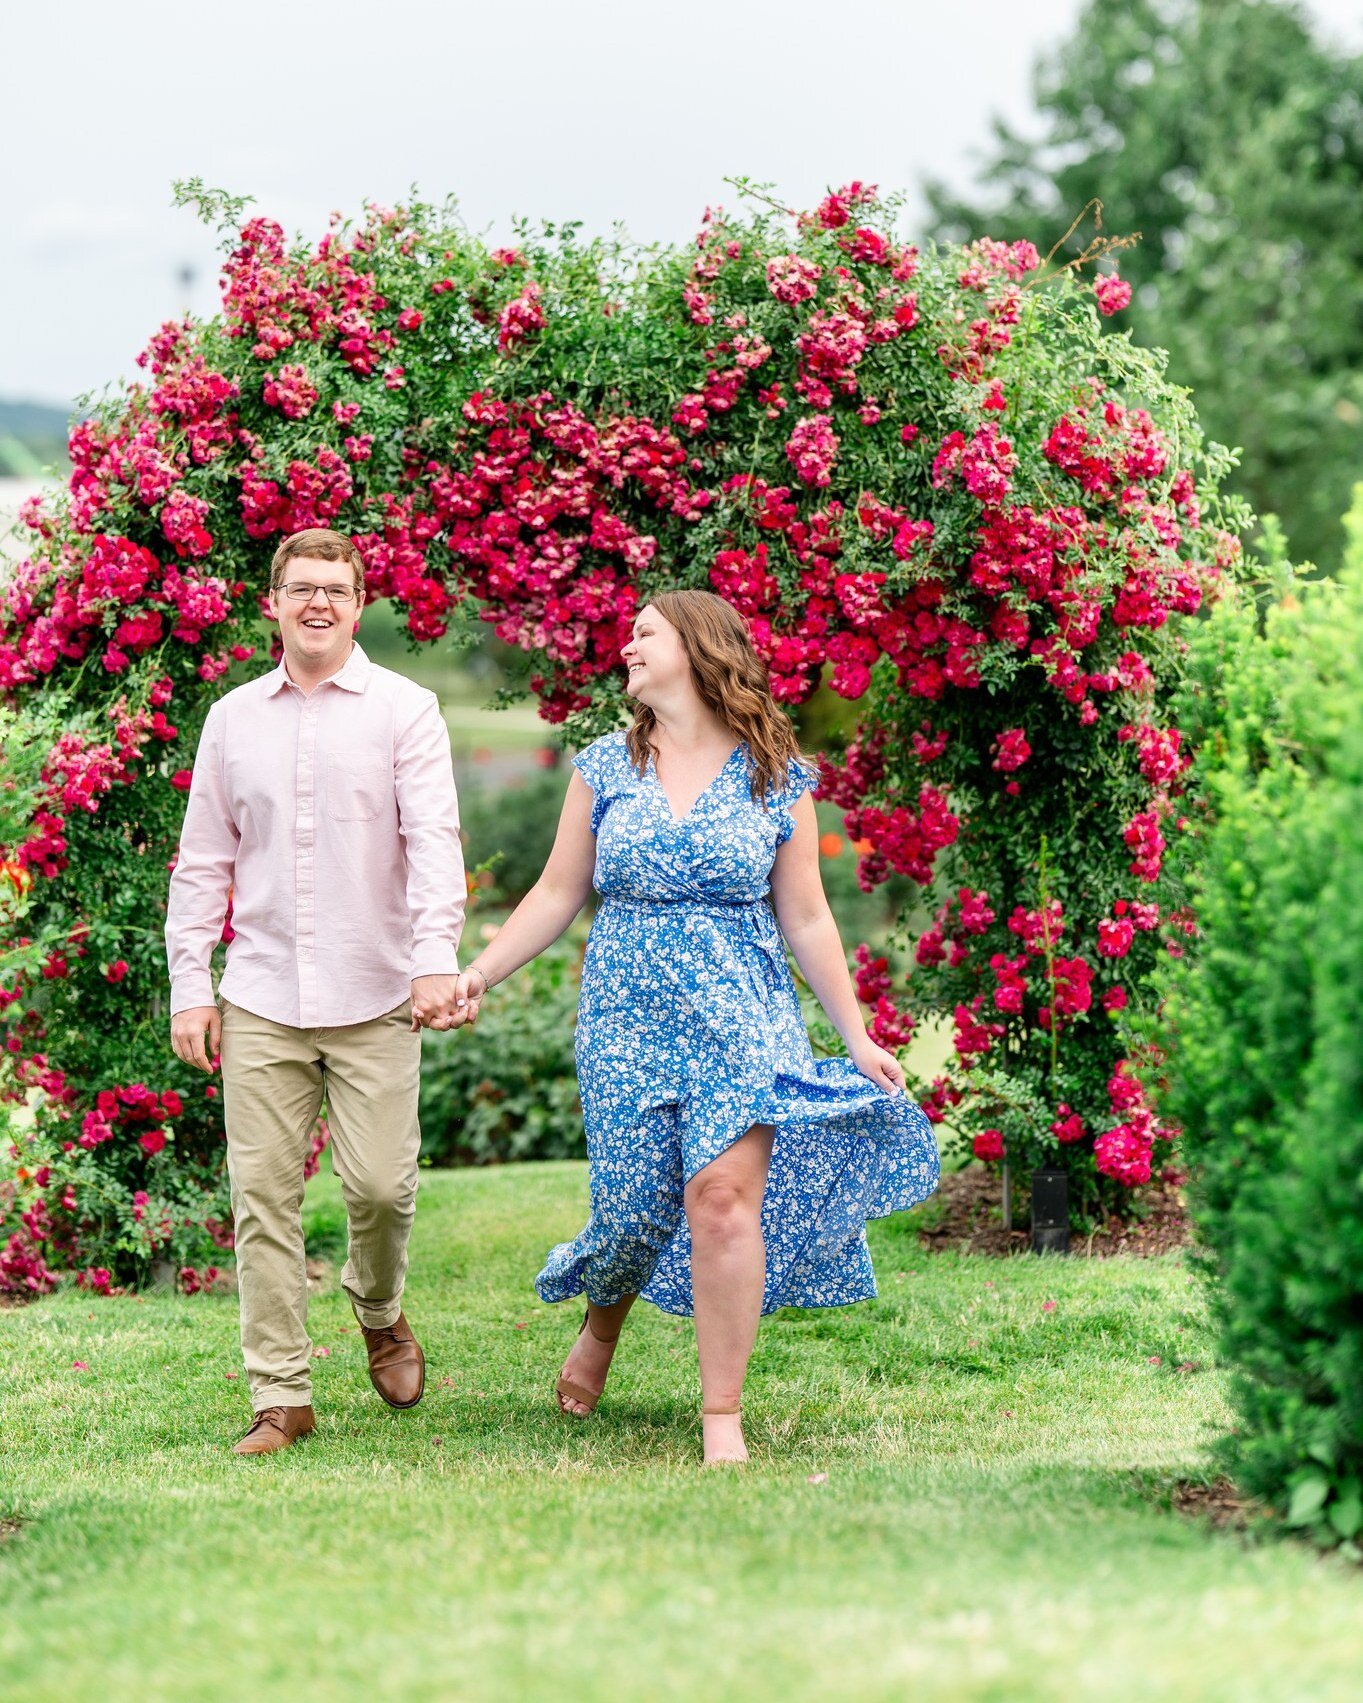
{"points": [[601, 110]]}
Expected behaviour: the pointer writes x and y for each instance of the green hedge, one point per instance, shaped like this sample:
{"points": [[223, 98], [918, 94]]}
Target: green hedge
{"points": [[512, 826], [507, 1089], [1266, 1069]]}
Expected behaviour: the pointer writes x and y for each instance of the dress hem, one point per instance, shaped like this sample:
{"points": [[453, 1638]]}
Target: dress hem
{"points": [[767, 1111], [873, 1294]]}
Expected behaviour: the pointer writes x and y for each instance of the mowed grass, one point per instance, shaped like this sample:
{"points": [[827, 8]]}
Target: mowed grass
{"points": [[957, 1492]]}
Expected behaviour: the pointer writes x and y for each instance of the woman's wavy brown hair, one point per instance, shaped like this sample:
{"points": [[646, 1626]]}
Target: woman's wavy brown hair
{"points": [[732, 681]]}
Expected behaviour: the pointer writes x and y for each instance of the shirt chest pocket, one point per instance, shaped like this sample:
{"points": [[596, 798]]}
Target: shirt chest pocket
{"points": [[357, 792]]}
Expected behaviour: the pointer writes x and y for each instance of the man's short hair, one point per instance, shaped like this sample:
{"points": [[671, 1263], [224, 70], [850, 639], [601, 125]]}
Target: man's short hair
{"points": [[321, 543]]}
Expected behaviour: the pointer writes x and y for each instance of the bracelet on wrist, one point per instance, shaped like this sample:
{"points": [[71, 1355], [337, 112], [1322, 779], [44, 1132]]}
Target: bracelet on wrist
{"points": [[477, 970]]}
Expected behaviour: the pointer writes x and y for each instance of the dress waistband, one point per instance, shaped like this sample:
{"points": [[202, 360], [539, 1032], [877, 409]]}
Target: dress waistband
{"points": [[738, 908], [757, 927]]}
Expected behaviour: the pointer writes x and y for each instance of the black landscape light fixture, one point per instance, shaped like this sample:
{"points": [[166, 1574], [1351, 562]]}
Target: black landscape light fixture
{"points": [[1050, 1211]]}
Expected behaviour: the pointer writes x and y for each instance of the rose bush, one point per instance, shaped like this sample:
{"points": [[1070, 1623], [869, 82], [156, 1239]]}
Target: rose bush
{"points": [[931, 481]]}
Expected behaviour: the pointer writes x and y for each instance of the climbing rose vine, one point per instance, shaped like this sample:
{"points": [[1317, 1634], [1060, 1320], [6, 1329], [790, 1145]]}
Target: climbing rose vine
{"points": [[935, 484]]}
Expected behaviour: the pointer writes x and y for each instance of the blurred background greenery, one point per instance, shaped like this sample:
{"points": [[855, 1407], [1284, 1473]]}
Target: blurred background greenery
{"points": [[1229, 135]]}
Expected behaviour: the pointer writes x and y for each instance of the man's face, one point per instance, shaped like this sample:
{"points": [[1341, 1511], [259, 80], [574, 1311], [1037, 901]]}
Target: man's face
{"points": [[317, 629]]}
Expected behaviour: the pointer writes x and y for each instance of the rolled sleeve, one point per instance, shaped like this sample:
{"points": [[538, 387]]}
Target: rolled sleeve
{"points": [[201, 882], [428, 819]]}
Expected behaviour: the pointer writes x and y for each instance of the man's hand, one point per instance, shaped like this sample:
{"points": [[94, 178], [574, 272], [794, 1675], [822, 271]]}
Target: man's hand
{"points": [[433, 1002], [187, 1035]]}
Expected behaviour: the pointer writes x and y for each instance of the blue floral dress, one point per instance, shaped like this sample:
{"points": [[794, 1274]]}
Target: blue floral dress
{"points": [[689, 1032]]}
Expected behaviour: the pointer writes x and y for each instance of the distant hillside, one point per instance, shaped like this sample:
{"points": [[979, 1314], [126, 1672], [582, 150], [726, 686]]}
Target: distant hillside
{"points": [[32, 437]]}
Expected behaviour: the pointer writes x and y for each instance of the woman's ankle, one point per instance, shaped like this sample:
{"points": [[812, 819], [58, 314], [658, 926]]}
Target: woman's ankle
{"points": [[606, 1323]]}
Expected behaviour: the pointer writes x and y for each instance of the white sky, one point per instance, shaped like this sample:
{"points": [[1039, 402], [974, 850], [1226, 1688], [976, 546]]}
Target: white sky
{"points": [[601, 110]]}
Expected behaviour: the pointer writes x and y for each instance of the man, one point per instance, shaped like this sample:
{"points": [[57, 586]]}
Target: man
{"points": [[323, 809]]}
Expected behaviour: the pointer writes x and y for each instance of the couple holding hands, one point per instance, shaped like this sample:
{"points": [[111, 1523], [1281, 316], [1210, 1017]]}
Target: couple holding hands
{"points": [[731, 1172]]}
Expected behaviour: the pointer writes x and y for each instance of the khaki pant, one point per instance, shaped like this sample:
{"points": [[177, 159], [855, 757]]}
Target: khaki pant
{"points": [[274, 1081]]}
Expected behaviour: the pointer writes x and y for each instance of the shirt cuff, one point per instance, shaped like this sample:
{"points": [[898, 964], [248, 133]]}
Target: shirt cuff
{"points": [[434, 958], [190, 990]]}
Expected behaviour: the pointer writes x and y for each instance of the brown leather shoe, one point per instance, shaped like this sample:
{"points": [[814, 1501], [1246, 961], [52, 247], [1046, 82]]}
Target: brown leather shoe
{"points": [[276, 1428], [397, 1367]]}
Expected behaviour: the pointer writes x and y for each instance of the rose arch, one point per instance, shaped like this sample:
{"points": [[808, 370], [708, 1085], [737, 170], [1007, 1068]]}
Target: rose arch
{"points": [[938, 485]]}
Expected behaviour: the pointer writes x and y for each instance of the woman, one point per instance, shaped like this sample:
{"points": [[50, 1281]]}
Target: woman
{"points": [[731, 1172]]}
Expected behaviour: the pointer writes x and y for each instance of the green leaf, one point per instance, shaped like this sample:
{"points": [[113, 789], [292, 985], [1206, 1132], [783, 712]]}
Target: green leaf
{"points": [[1308, 1498], [1346, 1511]]}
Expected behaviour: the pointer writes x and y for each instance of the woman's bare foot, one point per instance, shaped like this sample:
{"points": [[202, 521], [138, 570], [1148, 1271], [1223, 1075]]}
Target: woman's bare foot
{"points": [[589, 1359], [588, 1362], [723, 1434]]}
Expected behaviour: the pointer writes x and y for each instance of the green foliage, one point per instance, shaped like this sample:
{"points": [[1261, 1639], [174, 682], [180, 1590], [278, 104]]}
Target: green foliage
{"points": [[94, 977], [511, 825], [1230, 137], [508, 1088], [1266, 1071]]}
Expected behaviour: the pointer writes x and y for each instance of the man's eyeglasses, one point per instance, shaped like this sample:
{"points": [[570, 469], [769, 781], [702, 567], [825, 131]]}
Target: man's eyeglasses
{"points": [[301, 592]]}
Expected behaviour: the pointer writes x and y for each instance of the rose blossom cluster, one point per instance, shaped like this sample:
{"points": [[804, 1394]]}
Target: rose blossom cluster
{"points": [[23, 1269], [1125, 1150], [1113, 293], [76, 775], [112, 598], [291, 391], [279, 300], [135, 1109], [524, 521], [890, 1025]]}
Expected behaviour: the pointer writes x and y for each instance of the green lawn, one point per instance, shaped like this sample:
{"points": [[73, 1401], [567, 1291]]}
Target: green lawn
{"points": [[956, 1493], [479, 733]]}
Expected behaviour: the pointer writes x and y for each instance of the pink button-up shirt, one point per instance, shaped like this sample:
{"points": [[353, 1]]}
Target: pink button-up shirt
{"points": [[332, 824]]}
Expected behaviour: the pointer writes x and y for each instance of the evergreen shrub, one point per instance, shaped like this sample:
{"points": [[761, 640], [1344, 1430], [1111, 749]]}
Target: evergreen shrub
{"points": [[1264, 1070]]}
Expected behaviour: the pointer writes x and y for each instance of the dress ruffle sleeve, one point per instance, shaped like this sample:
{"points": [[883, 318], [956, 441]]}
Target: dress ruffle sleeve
{"points": [[800, 779], [603, 765]]}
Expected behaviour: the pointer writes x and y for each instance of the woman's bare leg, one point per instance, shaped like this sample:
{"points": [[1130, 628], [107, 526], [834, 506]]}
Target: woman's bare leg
{"points": [[589, 1359], [728, 1274], [635, 1213]]}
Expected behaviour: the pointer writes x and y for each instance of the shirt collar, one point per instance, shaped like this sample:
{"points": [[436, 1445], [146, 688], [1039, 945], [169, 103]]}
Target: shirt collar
{"points": [[353, 677]]}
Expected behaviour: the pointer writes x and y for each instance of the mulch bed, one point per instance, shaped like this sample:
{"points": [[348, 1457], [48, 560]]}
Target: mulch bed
{"points": [[1219, 1503], [969, 1205]]}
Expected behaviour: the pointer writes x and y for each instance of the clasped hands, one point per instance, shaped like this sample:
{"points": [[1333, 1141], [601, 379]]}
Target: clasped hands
{"points": [[447, 1002], [438, 1002]]}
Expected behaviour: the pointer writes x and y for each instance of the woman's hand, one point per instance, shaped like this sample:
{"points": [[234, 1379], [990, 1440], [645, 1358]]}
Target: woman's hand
{"points": [[469, 988], [881, 1067]]}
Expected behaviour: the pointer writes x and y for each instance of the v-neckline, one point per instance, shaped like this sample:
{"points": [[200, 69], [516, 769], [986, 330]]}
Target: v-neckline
{"points": [[704, 791]]}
